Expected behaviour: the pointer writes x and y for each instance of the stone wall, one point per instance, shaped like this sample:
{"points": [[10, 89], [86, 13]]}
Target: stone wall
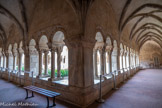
{"points": [[81, 97], [148, 53], [79, 23]]}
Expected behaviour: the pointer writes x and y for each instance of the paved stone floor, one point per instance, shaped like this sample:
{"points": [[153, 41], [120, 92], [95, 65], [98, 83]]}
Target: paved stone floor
{"points": [[10, 93], [144, 90]]}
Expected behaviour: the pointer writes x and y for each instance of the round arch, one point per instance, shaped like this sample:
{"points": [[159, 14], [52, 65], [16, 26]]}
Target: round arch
{"points": [[43, 42], [10, 47], [108, 41]]}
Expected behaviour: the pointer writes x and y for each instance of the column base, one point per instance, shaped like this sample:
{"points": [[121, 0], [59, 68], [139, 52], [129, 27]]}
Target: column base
{"points": [[55, 79], [39, 76], [46, 75], [59, 78], [96, 77], [51, 79]]}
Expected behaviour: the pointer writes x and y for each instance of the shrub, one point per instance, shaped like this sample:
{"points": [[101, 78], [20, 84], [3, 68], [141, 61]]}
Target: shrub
{"points": [[22, 68], [63, 72]]}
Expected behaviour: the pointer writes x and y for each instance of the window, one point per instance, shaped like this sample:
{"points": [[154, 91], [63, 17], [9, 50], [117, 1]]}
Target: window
{"points": [[43, 57], [107, 63], [10, 58], [64, 62], [34, 57], [98, 63], [97, 55], [60, 49], [121, 57], [114, 57]]}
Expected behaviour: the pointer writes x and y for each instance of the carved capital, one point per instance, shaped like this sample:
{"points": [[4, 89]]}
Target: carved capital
{"points": [[33, 52], [108, 48]]}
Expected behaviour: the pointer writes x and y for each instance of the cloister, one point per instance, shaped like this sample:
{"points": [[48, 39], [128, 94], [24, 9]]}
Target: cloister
{"points": [[80, 48]]}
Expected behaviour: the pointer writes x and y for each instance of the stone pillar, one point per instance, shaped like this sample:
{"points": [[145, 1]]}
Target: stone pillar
{"points": [[4, 59], [46, 62], [129, 60], [27, 60], [83, 65], [132, 64], [0, 61], [104, 58], [14, 60], [95, 63], [7, 60], [40, 64], [110, 61], [102, 61], [52, 65], [59, 50], [135, 60], [122, 61], [121, 58], [118, 59], [125, 59], [80, 67], [132, 60], [138, 60], [20, 63]]}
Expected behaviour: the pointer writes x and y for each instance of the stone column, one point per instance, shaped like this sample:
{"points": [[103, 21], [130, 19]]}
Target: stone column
{"points": [[102, 61], [14, 59], [20, 63], [135, 60], [4, 59], [95, 63], [46, 62], [0, 61], [132, 60], [27, 60], [118, 59], [52, 65], [40, 64], [7, 60], [122, 61], [110, 63], [129, 60], [138, 60], [129, 71], [121, 56], [59, 50], [125, 59]]}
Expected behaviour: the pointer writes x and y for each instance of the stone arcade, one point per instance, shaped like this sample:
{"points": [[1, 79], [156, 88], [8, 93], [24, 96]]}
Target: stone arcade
{"points": [[69, 44]]}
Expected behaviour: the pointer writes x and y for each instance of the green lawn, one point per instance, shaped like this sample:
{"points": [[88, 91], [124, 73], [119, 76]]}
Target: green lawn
{"points": [[22, 68], [63, 72]]}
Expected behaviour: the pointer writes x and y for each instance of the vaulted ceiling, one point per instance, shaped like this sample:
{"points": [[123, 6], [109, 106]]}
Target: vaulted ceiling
{"points": [[141, 18], [11, 17]]}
